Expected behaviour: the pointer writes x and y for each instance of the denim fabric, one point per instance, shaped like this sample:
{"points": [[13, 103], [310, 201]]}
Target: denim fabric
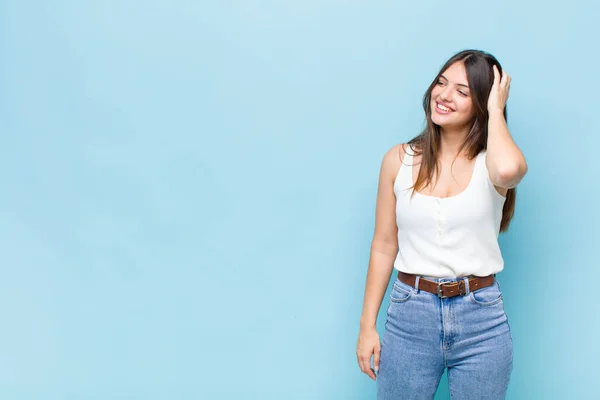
{"points": [[425, 334]]}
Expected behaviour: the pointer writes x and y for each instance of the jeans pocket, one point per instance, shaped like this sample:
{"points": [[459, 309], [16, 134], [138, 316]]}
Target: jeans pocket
{"points": [[487, 296], [401, 292]]}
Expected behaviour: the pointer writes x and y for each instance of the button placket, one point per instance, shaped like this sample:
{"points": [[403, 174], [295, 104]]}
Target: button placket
{"points": [[439, 218]]}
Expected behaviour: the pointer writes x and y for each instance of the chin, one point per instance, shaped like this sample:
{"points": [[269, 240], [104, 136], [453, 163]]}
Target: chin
{"points": [[435, 118], [444, 121]]}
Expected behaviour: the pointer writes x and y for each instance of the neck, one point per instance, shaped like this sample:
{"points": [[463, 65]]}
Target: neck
{"points": [[451, 140]]}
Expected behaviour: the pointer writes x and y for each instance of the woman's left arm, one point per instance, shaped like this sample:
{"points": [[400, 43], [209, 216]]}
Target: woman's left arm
{"points": [[504, 161]]}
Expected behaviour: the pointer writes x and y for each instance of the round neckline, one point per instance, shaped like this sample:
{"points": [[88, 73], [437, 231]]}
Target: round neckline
{"points": [[477, 157]]}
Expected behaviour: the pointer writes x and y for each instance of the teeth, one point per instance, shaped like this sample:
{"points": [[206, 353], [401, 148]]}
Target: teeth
{"points": [[441, 107]]}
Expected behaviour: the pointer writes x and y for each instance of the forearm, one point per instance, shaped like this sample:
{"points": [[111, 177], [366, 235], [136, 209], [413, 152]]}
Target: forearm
{"points": [[505, 161], [381, 263]]}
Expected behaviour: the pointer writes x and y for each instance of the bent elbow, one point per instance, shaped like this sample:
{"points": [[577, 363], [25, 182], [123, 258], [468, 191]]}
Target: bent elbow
{"points": [[509, 177]]}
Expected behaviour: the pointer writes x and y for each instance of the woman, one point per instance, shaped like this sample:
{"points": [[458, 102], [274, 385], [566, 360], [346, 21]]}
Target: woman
{"points": [[443, 198]]}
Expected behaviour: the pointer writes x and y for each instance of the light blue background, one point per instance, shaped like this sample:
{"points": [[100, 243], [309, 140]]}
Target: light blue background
{"points": [[188, 190]]}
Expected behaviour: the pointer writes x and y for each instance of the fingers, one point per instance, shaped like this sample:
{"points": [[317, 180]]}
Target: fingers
{"points": [[366, 368], [376, 359], [505, 82], [366, 347], [496, 75], [499, 92], [364, 362]]}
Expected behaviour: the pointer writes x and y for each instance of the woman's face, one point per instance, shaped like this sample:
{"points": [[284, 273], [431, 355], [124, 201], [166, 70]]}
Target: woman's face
{"points": [[451, 104]]}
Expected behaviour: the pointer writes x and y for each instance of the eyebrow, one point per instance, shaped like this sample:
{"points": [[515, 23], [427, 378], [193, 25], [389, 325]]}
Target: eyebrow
{"points": [[459, 84]]}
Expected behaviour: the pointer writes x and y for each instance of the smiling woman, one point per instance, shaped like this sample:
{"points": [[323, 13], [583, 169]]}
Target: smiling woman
{"points": [[443, 199], [442, 107]]}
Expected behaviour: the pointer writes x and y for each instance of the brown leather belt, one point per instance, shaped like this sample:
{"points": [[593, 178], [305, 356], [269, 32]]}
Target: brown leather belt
{"points": [[448, 289]]}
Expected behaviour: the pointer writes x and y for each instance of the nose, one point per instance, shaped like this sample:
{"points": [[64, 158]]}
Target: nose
{"points": [[445, 94]]}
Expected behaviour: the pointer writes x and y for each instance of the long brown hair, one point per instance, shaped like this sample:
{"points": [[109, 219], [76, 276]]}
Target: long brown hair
{"points": [[480, 76]]}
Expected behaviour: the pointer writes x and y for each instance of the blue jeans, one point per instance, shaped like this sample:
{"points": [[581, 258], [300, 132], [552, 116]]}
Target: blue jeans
{"points": [[425, 334]]}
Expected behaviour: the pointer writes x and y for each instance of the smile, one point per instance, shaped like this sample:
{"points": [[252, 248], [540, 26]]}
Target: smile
{"points": [[443, 108]]}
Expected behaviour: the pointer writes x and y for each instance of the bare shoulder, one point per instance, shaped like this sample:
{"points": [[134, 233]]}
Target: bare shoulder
{"points": [[392, 160]]}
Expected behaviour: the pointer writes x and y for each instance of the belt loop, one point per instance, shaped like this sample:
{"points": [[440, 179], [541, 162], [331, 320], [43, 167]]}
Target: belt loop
{"points": [[466, 279], [417, 278]]}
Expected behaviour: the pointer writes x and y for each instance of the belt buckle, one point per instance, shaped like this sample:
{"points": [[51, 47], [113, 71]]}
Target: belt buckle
{"points": [[439, 291]]}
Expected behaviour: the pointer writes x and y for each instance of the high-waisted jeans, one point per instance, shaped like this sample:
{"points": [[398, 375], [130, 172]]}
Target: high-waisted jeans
{"points": [[425, 334]]}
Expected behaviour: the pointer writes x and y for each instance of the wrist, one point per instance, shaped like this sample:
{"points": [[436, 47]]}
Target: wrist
{"points": [[496, 112], [366, 324]]}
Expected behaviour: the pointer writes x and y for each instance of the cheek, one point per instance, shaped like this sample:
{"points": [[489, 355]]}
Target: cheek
{"points": [[466, 106]]}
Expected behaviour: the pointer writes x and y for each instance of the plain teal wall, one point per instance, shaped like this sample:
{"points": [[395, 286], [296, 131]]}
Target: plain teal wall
{"points": [[188, 190]]}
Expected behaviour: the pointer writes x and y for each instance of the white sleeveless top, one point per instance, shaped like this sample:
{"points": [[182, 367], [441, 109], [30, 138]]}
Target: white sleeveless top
{"points": [[452, 236]]}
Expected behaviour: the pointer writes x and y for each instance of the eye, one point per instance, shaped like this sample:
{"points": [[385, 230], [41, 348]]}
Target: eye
{"points": [[463, 93], [440, 82]]}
